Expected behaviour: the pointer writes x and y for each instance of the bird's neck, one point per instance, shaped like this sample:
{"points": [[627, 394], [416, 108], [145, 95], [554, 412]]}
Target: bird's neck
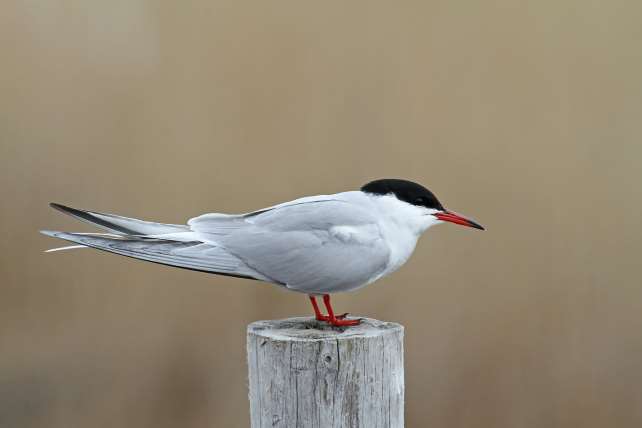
{"points": [[401, 225]]}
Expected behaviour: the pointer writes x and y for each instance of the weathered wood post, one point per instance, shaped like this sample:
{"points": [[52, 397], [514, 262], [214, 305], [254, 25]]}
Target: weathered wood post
{"points": [[305, 373]]}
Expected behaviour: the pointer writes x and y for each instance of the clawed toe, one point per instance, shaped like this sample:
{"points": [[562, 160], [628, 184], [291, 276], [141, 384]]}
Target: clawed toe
{"points": [[339, 320], [343, 322]]}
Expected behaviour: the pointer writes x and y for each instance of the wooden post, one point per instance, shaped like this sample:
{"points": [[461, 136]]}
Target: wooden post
{"points": [[305, 373]]}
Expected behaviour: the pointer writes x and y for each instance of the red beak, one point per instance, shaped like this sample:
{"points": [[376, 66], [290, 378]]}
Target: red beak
{"points": [[457, 219]]}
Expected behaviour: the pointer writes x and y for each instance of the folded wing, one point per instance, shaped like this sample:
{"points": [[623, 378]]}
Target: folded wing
{"points": [[187, 255], [315, 247], [119, 224]]}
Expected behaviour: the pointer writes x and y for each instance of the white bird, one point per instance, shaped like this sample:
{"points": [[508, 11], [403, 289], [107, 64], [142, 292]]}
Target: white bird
{"points": [[315, 245]]}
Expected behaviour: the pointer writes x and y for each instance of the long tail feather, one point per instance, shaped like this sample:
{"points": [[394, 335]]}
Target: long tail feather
{"points": [[69, 247]]}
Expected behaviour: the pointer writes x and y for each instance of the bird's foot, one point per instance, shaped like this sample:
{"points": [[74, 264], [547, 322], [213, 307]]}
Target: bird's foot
{"points": [[327, 318], [338, 320], [331, 318]]}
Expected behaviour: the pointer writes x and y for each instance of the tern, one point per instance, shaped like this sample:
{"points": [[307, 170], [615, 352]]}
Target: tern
{"points": [[317, 245]]}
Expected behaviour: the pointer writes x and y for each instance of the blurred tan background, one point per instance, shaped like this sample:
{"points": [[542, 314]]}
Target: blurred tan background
{"points": [[526, 116]]}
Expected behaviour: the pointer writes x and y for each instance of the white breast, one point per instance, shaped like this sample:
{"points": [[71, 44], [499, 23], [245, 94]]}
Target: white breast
{"points": [[401, 224], [402, 243]]}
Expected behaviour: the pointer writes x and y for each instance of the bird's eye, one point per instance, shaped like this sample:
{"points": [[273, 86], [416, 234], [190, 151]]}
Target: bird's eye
{"points": [[420, 201]]}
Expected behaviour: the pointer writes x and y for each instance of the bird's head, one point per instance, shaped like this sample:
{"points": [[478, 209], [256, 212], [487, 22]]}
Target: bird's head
{"points": [[422, 201]]}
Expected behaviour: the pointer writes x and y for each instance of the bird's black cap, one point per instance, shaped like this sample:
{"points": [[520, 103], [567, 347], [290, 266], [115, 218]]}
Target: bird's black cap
{"points": [[404, 190]]}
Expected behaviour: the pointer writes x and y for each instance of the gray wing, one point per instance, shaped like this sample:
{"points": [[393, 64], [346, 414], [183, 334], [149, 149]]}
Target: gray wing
{"points": [[315, 244], [187, 255], [119, 224], [314, 247]]}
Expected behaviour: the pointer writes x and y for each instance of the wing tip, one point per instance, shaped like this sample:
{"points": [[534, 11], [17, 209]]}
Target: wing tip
{"points": [[63, 208], [52, 233]]}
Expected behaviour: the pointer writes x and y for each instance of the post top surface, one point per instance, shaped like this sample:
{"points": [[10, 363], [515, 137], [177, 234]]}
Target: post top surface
{"points": [[309, 329]]}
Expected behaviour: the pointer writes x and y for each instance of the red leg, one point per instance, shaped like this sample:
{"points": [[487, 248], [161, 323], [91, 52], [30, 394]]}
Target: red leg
{"points": [[332, 319], [317, 312]]}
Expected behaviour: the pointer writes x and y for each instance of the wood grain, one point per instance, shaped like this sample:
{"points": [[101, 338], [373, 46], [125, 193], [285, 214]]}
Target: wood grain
{"points": [[305, 373]]}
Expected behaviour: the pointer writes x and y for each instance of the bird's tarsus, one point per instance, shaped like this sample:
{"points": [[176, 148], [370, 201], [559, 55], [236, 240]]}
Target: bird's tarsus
{"points": [[335, 320]]}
